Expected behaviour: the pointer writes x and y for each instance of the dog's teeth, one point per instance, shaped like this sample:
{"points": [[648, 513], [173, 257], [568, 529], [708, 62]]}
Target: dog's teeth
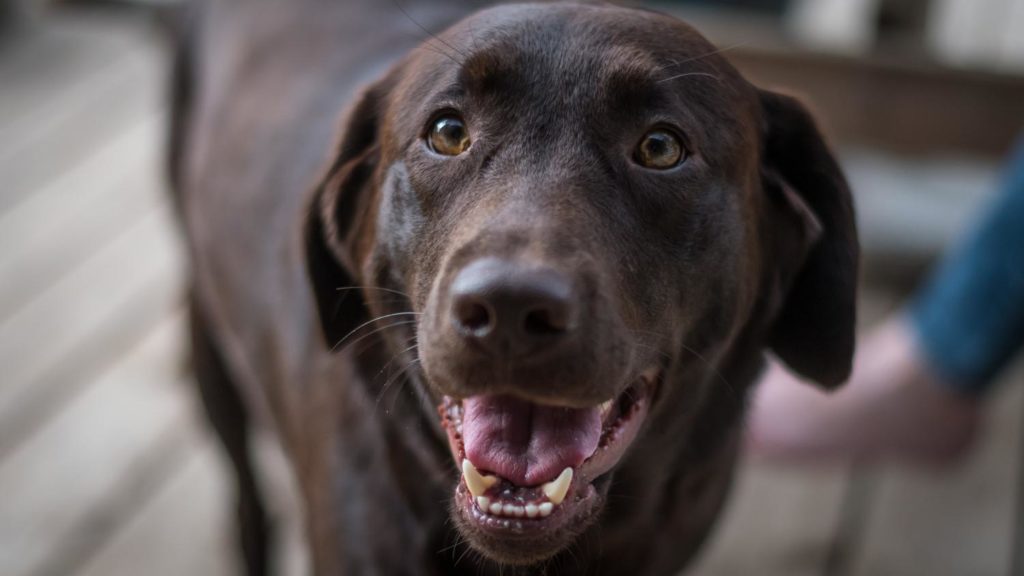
{"points": [[606, 407], [559, 487], [511, 510], [476, 482]]}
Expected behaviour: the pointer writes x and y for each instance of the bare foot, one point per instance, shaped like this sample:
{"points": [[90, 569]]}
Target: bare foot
{"points": [[892, 408]]}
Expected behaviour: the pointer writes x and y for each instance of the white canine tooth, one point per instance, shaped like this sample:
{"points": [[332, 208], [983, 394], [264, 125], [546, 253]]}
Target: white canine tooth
{"points": [[606, 407], [483, 502], [476, 482], [531, 510], [496, 509], [559, 487], [545, 509], [508, 509], [518, 511]]}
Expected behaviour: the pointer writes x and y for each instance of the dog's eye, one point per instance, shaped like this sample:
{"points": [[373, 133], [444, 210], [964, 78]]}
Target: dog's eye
{"points": [[660, 149], [449, 136]]}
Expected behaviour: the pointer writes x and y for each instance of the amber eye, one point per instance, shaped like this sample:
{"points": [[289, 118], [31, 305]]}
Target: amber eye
{"points": [[449, 135], [660, 149]]}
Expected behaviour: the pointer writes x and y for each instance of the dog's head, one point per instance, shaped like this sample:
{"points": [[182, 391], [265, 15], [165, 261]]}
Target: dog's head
{"points": [[567, 216]]}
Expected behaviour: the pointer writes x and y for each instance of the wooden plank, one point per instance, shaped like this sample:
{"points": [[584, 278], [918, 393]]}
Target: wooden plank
{"points": [[60, 381], [888, 100], [67, 315], [69, 48], [942, 196], [60, 225], [785, 520], [781, 522], [188, 527], [956, 521], [185, 529], [99, 169], [35, 61], [72, 235], [843, 26], [1012, 47], [66, 482], [89, 69], [65, 197], [90, 113], [967, 32], [1017, 562]]}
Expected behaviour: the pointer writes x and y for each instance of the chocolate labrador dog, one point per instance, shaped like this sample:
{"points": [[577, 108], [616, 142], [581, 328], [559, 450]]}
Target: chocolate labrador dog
{"points": [[500, 292]]}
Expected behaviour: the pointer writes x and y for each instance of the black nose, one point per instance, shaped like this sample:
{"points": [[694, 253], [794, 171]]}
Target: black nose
{"points": [[510, 308]]}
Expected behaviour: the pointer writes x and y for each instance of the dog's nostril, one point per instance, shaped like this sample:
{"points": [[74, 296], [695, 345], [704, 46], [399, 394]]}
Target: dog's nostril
{"points": [[542, 321], [473, 316]]}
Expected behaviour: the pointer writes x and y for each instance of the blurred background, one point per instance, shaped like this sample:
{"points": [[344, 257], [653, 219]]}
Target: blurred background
{"points": [[105, 467]]}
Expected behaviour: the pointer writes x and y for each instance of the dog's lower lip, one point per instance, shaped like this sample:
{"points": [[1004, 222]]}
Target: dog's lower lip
{"points": [[497, 505], [511, 526]]}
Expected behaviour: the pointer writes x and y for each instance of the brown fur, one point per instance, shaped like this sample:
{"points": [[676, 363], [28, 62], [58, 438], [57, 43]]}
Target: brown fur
{"points": [[303, 231]]}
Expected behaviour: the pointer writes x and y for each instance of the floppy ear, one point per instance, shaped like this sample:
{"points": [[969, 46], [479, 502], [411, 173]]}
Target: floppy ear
{"points": [[813, 332], [338, 217]]}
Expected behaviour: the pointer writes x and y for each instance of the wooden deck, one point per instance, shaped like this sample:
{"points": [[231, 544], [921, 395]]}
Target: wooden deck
{"points": [[105, 467]]}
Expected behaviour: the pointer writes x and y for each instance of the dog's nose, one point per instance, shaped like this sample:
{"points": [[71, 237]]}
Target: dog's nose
{"points": [[509, 308]]}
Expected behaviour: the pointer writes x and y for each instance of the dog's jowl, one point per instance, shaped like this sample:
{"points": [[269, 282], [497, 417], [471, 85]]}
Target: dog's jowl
{"points": [[499, 292]]}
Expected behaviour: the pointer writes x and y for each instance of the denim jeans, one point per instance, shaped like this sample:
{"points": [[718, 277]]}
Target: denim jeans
{"points": [[969, 318]]}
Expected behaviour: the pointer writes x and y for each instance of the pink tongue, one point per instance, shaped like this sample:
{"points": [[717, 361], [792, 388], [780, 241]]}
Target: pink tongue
{"points": [[526, 443]]}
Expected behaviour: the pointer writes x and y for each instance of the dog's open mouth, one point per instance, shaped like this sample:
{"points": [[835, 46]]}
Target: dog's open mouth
{"points": [[530, 469]]}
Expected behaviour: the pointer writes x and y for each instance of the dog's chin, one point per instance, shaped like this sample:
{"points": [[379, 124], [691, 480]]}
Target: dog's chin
{"points": [[531, 517]]}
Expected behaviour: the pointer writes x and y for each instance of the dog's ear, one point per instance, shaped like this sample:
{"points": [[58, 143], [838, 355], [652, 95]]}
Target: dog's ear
{"points": [[813, 331], [337, 221]]}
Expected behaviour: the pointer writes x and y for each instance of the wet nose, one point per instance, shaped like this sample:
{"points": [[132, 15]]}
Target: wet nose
{"points": [[509, 308]]}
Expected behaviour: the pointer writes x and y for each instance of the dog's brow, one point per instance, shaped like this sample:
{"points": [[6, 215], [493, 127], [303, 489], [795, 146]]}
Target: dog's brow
{"points": [[630, 77], [627, 66], [636, 79], [486, 67], [452, 92]]}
